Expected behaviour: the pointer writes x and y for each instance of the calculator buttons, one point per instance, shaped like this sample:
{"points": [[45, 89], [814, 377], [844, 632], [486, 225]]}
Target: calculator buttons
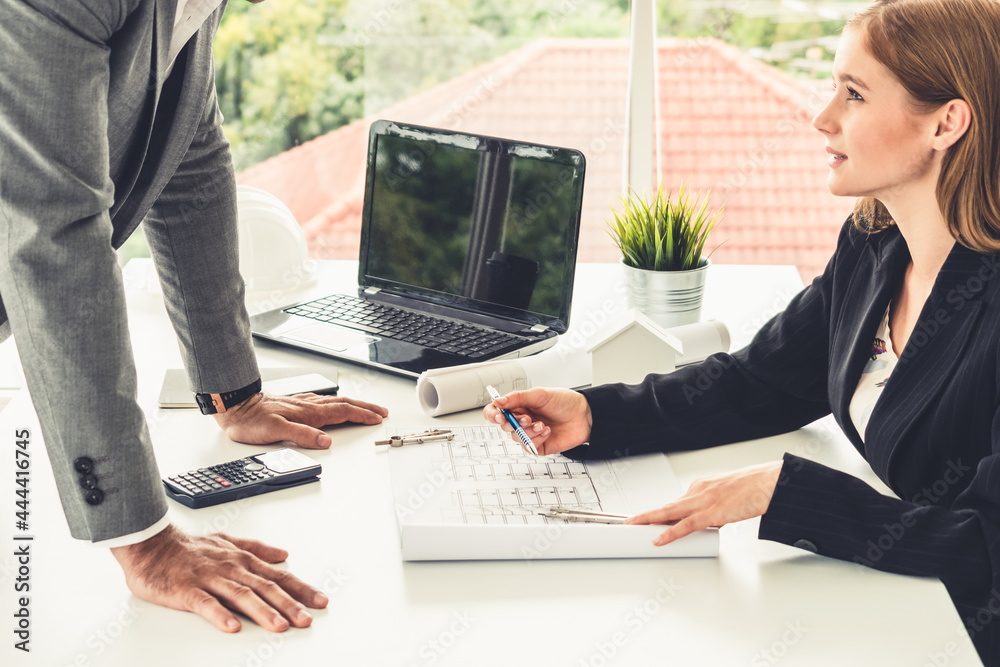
{"points": [[231, 480]]}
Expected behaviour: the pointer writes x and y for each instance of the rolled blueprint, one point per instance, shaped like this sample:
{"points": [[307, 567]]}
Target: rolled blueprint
{"points": [[441, 391], [701, 340]]}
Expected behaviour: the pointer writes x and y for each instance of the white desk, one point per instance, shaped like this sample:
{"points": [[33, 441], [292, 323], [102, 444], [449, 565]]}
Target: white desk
{"points": [[759, 603]]}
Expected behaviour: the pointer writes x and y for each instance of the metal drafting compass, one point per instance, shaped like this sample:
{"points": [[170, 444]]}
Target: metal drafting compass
{"points": [[582, 516], [417, 438]]}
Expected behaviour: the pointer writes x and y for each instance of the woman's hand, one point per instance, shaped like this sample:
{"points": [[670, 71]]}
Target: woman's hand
{"points": [[263, 419], [715, 501], [555, 419]]}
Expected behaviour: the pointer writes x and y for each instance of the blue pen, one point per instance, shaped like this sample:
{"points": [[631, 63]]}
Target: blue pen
{"points": [[522, 435]]}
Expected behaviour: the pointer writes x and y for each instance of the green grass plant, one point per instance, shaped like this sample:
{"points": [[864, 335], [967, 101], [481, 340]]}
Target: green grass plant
{"points": [[665, 234]]}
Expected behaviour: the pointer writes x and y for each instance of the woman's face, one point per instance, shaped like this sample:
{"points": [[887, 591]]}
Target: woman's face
{"points": [[877, 145]]}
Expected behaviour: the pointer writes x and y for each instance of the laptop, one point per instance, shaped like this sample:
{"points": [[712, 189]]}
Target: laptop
{"points": [[468, 252]]}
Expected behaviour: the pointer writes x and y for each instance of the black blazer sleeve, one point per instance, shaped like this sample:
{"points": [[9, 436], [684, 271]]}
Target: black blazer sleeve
{"points": [[933, 436], [776, 384], [837, 515]]}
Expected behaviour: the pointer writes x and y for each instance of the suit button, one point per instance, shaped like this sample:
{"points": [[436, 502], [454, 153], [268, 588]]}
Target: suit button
{"points": [[88, 481], [94, 497], [83, 465], [808, 545]]}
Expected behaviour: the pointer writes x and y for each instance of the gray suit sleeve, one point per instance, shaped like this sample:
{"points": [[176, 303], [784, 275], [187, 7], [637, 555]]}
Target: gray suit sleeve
{"points": [[192, 234], [59, 277]]}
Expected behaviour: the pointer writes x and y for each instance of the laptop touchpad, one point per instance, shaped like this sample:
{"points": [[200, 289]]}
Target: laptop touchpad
{"points": [[329, 337]]}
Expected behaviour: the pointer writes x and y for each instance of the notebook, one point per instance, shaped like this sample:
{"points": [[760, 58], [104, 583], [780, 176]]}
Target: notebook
{"points": [[175, 392], [468, 252]]}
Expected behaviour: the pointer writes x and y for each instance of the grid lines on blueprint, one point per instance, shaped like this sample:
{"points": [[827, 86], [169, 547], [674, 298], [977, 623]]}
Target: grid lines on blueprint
{"points": [[497, 482]]}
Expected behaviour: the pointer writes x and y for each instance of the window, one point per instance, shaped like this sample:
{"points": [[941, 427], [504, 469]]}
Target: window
{"points": [[736, 86], [551, 72]]}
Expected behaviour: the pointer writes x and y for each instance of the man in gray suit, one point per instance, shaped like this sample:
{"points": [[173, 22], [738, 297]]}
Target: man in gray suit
{"points": [[108, 117]]}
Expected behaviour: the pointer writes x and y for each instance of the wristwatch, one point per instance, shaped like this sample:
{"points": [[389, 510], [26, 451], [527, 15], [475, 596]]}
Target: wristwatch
{"points": [[214, 404]]}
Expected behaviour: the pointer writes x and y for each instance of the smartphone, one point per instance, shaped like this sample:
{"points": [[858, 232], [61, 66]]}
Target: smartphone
{"points": [[261, 473], [314, 383]]}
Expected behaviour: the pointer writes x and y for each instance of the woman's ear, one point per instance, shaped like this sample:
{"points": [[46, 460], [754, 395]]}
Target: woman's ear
{"points": [[953, 122]]}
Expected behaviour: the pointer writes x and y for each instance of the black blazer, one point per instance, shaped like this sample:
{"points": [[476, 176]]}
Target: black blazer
{"points": [[933, 435]]}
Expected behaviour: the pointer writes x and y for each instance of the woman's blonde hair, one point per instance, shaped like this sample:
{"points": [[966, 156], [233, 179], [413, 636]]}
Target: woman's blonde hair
{"points": [[941, 50]]}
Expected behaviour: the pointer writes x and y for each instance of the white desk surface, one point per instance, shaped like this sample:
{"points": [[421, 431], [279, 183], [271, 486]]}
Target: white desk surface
{"points": [[758, 603]]}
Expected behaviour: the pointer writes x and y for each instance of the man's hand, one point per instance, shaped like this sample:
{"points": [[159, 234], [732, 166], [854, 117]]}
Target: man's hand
{"points": [[263, 419], [716, 501], [563, 417], [215, 574]]}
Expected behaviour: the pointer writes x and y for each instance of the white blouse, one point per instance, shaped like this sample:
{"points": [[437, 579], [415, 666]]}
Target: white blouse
{"points": [[189, 17], [876, 373]]}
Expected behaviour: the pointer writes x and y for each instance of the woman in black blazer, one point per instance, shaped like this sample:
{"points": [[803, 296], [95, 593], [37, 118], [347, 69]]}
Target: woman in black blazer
{"points": [[913, 131]]}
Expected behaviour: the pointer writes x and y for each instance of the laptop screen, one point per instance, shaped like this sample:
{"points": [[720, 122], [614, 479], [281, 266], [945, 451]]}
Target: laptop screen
{"points": [[478, 223]]}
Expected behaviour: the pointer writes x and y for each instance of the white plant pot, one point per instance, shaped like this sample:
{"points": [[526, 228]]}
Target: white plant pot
{"points": [[669, 298]]}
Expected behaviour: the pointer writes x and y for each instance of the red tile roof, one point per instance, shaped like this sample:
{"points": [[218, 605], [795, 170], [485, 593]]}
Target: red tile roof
{"points": [[729, 124]]}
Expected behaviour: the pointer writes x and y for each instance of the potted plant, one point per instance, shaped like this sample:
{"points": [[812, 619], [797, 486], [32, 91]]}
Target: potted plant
{"points": [[662, 244]]}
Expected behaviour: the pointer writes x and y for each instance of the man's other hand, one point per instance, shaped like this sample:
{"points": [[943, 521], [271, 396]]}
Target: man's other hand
{"points": [[263, 419], [216, 575]]}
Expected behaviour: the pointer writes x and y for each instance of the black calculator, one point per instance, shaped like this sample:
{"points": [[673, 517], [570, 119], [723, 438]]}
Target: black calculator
{"points": [[250, 476]]}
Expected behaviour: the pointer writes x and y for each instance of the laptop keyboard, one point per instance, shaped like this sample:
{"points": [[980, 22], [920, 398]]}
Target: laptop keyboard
{"points": [[407, 326]]}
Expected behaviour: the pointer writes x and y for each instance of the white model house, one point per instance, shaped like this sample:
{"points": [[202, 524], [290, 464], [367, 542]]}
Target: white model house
{"points": [[634, 346]]}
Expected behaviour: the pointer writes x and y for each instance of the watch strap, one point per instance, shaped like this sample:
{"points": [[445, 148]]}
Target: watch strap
{"points": [[213, 404]]}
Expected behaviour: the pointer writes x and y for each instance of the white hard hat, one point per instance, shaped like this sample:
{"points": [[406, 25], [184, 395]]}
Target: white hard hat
{"points": [[273, 252]]}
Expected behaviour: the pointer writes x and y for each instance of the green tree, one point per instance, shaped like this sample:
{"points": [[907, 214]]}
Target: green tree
{"points": [[288, 72], [279, 83]]}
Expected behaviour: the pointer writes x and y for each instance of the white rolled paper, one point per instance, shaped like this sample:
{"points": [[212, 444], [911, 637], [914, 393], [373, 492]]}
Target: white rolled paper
{"points": [[441, 391], [701, 340]]}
